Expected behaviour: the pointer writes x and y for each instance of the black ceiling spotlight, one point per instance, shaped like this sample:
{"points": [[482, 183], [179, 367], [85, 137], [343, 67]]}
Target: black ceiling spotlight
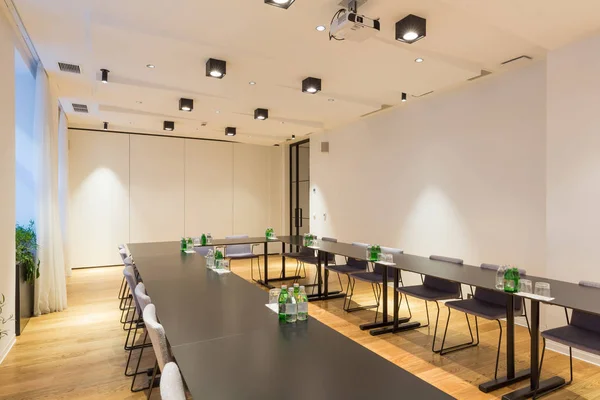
{"points": [[311, 85], [411, 28], [216, 68], [104, 75], [293, 137], [186, 104], [169, 125], [229, 131], [106, 126], [403, 97], [280, 3], [261, 114]]}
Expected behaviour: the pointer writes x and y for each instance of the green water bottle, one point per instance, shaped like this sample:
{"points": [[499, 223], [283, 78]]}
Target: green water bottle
{"points": [[183, 244], [218, 255], [203, 240], [190, 244], [282, 301], [510, 281]]}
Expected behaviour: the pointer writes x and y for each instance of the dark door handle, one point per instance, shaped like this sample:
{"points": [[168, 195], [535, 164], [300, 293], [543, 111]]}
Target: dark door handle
{"points": [[300, 218], [296, 218]]}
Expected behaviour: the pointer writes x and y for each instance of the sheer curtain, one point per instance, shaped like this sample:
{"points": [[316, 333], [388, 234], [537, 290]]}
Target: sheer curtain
{"points": [[50, 289]]}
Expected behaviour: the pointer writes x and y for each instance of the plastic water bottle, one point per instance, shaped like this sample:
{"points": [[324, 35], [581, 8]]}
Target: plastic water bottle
{"points": [[208, 238], [500, 277], [291, 309], [183, 244], [283, 297], [210, 259], [296, 289], [203, 240], [302, 304]]}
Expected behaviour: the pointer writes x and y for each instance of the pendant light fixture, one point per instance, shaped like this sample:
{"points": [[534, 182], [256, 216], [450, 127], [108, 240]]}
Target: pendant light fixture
{"points": [[261, 114], [169, 125], [104, 75], [311, 85], [216, 68], [411, 28], [186, 104]]}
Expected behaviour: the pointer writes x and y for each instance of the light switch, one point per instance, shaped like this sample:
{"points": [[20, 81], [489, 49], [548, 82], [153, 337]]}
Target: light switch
{"points": [[324, 216]]}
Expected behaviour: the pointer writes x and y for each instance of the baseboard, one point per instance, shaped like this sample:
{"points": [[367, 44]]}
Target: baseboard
{"points": [[6, 350], [98, 266], [580, 355]]}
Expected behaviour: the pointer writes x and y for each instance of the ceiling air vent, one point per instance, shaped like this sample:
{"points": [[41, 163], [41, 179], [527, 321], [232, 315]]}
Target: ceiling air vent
{"points": [[72, 68], [80, 108], [481, 75], [523, 58]]}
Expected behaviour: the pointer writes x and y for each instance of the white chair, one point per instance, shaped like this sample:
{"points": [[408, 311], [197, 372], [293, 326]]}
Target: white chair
{"points": [[123, 254], [159, 342], [142, 300], [171, 384]]}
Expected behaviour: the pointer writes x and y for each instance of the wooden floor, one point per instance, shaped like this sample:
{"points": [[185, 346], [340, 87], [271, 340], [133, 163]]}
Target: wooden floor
{"points": [[78, 353]]}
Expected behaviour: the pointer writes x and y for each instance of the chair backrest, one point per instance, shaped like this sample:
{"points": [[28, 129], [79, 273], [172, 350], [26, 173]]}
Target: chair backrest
{"points": [[495, 267], [447, 259], [497, 298], [157, 336], [142, 298], [129, 273], [378, 269], [584, 320], [203, 251], [234, 249], [443, 284], [359, 244], [330, 256], [128, 260], [171, 384], [391, 250], [353, 262]]}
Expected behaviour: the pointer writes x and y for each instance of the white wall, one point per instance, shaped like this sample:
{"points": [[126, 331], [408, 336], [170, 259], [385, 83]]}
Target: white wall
{"points": [[7, 180], [461, 174], [135, 188], [573, 166]]}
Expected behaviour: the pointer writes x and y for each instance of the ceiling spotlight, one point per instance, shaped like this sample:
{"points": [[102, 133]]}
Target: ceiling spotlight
{"points": [[411, 28], [218, 112], [168, 125], [293, 136], [216, 68], [252, 83], [321, 28], [280, 3], [186, 104], [150, 66], [104, 75], [403, 97], [419, 60], [261, 114], [229, 131], [311, 85], [106, 126]]}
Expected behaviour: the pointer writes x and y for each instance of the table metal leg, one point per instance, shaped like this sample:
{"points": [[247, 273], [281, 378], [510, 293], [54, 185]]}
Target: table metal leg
{"points": [[282, 260], [324, 294], [544, 386], [266, 280]]}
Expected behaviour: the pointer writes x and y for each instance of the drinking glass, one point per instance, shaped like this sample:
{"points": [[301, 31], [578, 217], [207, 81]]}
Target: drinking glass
{"points": [[525, 286], [542, 289], [196, 241], [225, 264], [274, 295], [219, 264]]}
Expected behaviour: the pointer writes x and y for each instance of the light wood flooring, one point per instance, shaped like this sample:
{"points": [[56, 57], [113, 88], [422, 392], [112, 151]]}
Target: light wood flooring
{"points": [[78, 353]]}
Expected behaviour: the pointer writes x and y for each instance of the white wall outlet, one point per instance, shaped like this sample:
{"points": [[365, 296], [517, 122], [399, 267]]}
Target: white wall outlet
{"points": [[324, 216]]}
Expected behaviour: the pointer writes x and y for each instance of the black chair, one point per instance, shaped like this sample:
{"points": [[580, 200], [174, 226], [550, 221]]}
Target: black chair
{"points": [[487, 304], [375, 278], [242, 252], [582, 332], [434, 289], [352, 265]]}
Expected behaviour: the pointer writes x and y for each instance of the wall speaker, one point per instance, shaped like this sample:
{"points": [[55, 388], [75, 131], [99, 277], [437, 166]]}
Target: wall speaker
{"points": [[324, 147]]}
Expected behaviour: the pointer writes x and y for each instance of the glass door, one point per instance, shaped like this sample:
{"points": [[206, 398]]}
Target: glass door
{"points": [[300, 188]]}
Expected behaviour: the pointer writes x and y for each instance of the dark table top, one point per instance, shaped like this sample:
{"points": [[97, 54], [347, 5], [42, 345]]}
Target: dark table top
{"points": [[229, 345], [249, 240], [566, 294]]}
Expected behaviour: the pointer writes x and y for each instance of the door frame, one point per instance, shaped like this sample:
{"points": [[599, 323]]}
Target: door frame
{"points": [[295, 230]]}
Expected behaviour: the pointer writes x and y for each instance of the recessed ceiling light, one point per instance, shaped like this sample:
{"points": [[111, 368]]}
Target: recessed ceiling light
{"points": [[419, 60], [252, 83], [321, 28], [330, 99], [150, 66], [218, 112], [139, 102], [282, 122], [410, 36]]}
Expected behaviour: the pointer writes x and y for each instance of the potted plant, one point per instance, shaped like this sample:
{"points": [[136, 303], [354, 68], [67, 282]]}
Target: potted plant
{"points": [[26, 243], [2, 319]]}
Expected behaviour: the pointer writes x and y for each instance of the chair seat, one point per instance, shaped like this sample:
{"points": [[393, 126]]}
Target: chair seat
{"points": [[573, 336], [370, 277], [242, 256], [427, 293], [345, 269], [296, 255], [479, 308]]}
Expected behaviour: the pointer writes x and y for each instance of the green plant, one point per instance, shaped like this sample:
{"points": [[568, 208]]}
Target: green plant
{"points": [[2, 319], [26, 243]]}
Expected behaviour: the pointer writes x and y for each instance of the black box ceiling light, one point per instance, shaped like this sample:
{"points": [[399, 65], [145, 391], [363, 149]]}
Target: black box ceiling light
{"points": [[169, 125], [186, 104], [311, 85], [280, 3], [411, 28], [216, 68], [261, 114], [229, 131]]}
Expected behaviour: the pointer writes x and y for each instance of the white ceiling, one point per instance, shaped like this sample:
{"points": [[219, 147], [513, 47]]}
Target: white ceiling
{"points": [[276, 48]]}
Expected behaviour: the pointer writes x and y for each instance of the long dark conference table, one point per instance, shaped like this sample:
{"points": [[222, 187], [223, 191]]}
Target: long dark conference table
{"points": [[565, 294], [229, 345]]}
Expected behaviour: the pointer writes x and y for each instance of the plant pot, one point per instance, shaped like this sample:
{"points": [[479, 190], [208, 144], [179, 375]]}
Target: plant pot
{"points": [[23, 300]]}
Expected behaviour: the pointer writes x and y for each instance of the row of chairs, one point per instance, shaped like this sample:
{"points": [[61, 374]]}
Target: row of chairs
{"points": [[582, 331], [139, 314]]}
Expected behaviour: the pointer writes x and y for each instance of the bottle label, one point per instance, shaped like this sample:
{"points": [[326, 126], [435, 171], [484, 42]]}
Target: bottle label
{"points": [[291, 309], [302, 308], [282, 308]]}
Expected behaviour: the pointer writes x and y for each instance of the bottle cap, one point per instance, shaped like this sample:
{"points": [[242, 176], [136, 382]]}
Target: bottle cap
{"points": [[296, 284], [302, 287], [283, 286]]}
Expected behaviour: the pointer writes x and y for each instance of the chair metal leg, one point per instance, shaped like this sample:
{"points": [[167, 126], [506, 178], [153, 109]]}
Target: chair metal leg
{"points": [[121, 290], [535, 395], [340, 281], [359, 308], [461, 346], [437, 320], [499, 345], [153, 379], [126, 295], [140, 347]]}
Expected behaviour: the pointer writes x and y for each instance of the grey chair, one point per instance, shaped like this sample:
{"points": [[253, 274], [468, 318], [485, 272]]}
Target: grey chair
{"points": [[203, 250], [123, 254], [351, 266], [171, 384], [434, 290], [243, 252], [487, 304], [142, 300], [582, 332], [314, 260], [158, 338], [375, 278]]}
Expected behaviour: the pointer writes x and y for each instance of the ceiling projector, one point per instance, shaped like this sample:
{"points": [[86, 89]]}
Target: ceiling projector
{"points": [[348, 25]]}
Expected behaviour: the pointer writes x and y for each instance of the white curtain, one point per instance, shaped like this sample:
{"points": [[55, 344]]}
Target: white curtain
{"points": [[50, 289]]}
